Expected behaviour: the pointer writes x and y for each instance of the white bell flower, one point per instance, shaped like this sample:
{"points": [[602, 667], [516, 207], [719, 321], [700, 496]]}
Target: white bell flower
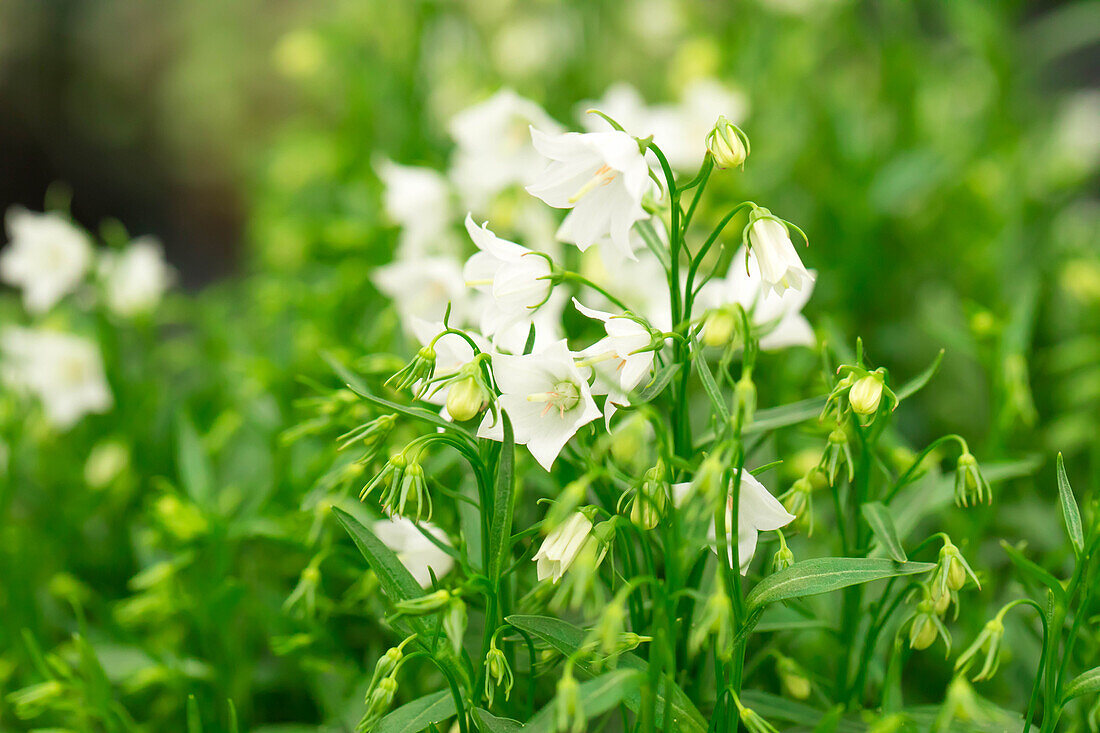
{"points": [[415, 551], [47, 257], [758, 511], [421, 287], [65, 372], [516, 279], [780, 266], [494, 146], [546, 397], [641, 284], [602, 177], [622, 347], [135, 279], [561, 546], [547, 322], [418, 199], [777, 318]]}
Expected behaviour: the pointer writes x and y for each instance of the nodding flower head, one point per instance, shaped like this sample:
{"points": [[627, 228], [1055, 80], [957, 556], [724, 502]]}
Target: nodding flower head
{"points": [[727, 144]]}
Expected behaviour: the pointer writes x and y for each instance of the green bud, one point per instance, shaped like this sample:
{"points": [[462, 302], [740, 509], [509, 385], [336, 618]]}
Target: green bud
{"points": [[793, 678], [497, 672], [567, 704], [720, 327], [865, 395], [466, 399], [970, 485], [727, 144], [454, 623], [378, 703], [424, 604]]}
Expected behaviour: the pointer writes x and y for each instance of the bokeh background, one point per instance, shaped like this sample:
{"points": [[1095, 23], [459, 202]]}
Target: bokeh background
{"points": [[942, 157]]}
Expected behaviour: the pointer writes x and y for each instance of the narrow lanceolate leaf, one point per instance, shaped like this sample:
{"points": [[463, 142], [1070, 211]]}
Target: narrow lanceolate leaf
{"points": [[397, 582], [824, 574], [917, 383], [1085, 683], [504, 498], [417, 715], [657, 385], [1035, 572], [784, 415], [882, 524], [597, 696], [1070, 511], [721, 409], [567, 638], [489, 723]]}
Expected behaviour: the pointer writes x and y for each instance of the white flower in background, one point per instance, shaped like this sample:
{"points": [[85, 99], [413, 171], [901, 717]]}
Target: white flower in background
{"points": [[415, 551], [418, 199], [778, 260], [494, 146], [547, 322], [678, 129], [135, 278], [602, 177], [758, 511], [561, 546], [641, 284], [778, 319], [422, 287], [47, 257], [452, 352], [516, 278], [64, 371], [622, 348], [546, 397]]}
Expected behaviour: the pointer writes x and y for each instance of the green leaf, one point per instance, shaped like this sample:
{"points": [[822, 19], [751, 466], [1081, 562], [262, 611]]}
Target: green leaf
{"points": [[489, 723], [1070, 511], [825, 574], [194, 720], [917, 383], [721, 410], [597, 696], [417, 715], [1083, 684], [500, 529], [657, 385], [397, 582], [784, 415], [882, 524], [656, 246], [1036, 572], [567, 638], [196, 473]]}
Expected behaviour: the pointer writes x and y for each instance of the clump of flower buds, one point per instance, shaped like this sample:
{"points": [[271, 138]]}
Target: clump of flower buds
{"points": [[403, 478], [417, 372]]}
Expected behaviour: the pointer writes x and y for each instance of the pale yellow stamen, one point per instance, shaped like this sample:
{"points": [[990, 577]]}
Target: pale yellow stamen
{"points": [[603, 176]]}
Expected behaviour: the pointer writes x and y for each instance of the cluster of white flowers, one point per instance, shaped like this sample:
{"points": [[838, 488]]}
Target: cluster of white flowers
{"points": [[49, 258], [509, 299]]}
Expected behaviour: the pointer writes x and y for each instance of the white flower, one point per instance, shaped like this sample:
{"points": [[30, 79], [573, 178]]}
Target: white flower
{"points": [[780, 266], [418, 199], [602, 177], [561, 546], [546, 398], [415, 551], [47, 257], [623, 346], [494, 145], [516, 278], [547, 322], [421, 287], [135, 278], [641, 284], [758, 511], [777, 318], [64, 371]]}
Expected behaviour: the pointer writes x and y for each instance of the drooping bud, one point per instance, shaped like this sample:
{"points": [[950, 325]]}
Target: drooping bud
{"points": [[799, 501], [716, 620], [378, 702], [988, 642], [795, 681], [650, 499], [970, 485], [417, 372], [428, 603], [727, 144], [567, 703], [951, 571], [744, 400], [752, 720], [466, 399], [454, 623], [926, 626], [497, 672], [784, 558], [837, 453], [720, 327], [561, 546], [865, 395]]}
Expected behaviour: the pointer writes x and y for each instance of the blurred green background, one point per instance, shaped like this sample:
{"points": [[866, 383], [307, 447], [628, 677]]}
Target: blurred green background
{"points": [[942, 157]]}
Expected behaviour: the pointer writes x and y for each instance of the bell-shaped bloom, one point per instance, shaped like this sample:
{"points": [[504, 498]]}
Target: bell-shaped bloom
{"points": [[421, 287], [65, 372], [546, 397], [418, 199], [494, 146], [135, 278], [625, 348], [758, 511], [776, 318], [516, 279], [47, 257], [778, 260], [417, 553], [602, 177], [561, 546]]}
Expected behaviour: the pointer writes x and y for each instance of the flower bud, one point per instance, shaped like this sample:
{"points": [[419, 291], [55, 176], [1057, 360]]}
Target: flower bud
{"points": [[454, 623], [837, 453], [716, 620], [378, 703], [744, 400], [926, 626], [466, 399], [498, 673], [784, 558], [752, 720], [793, 678], [567, 706], [865, 395], [970, 485], [649, 501], [417, 372], [424, 604], [720, 327], [989, 643], [727, 144]]}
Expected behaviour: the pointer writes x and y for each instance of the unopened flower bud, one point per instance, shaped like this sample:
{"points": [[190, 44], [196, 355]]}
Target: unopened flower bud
{"points": [[784, 558], [716, 620], [424, 604], [793, 678], [865, 395], [926, 626], [650, 499], [568, 710], [378, 703], [498, 673], [970, 485], [989, 643], [719, 327], [466, 399], [744, 400], [752, 720], [454, 623], [727, 144]]}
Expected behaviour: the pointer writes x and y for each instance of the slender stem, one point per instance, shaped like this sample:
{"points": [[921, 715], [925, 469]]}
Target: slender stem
{"points": [[905, 477], [581, 279]]}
